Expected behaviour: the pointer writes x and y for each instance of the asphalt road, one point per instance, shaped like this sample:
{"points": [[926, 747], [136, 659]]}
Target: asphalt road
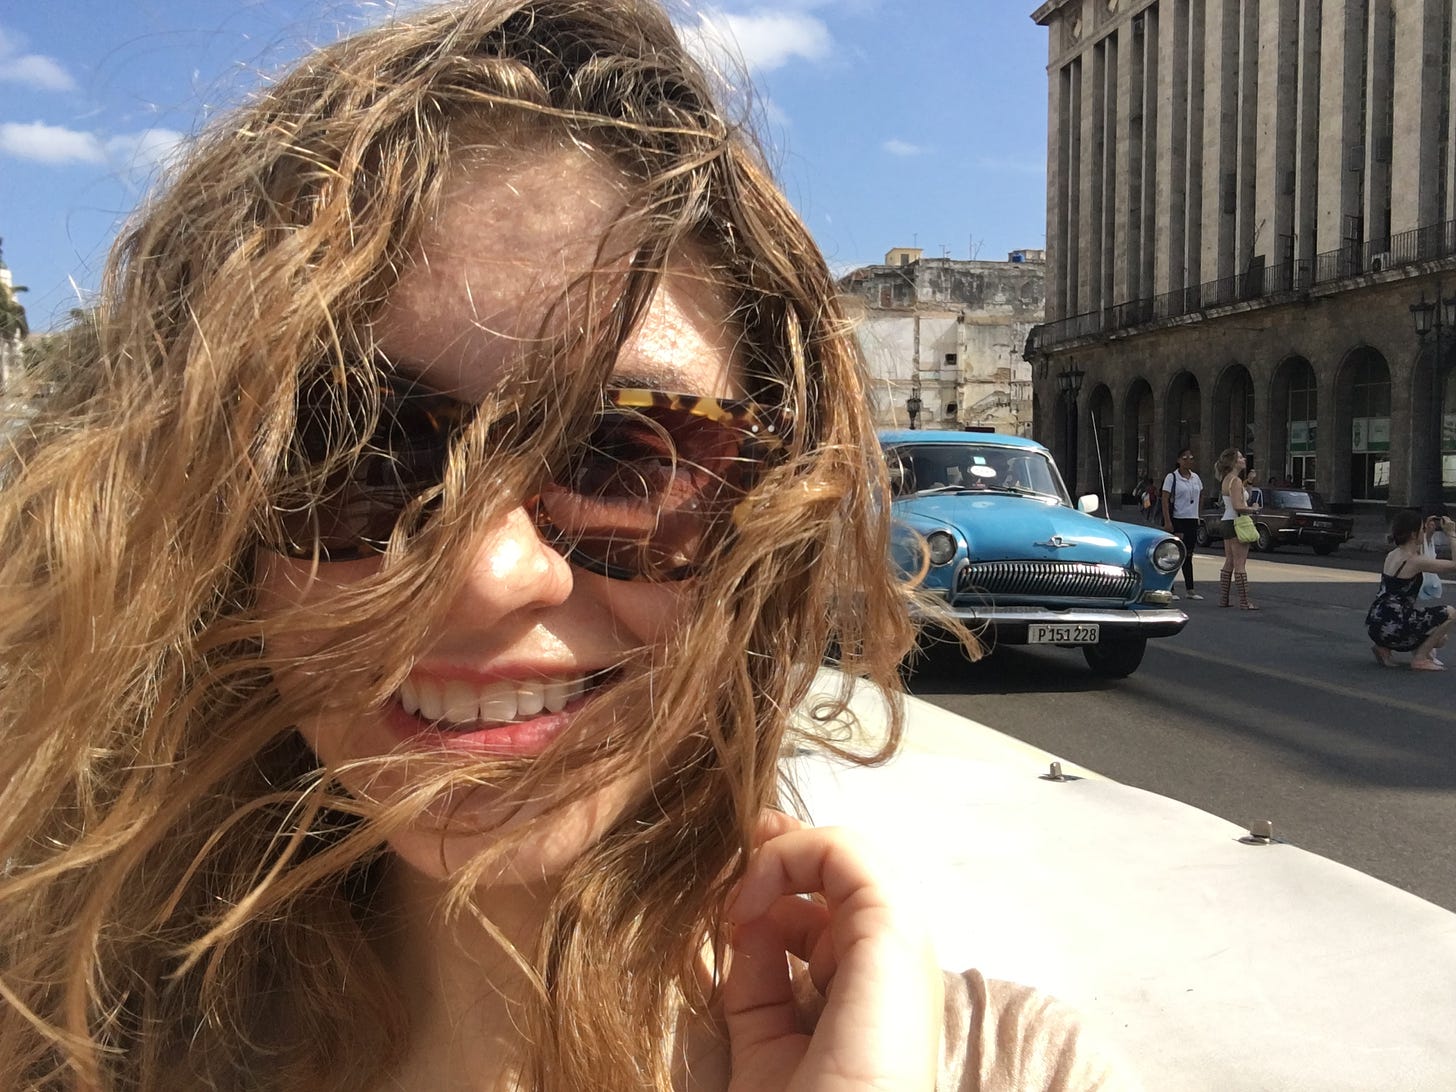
{"points": [[1281, 714]]}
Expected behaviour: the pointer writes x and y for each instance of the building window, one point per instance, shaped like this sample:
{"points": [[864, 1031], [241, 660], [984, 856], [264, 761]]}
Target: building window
{"points": [[1301, 423], [1370, 431]]}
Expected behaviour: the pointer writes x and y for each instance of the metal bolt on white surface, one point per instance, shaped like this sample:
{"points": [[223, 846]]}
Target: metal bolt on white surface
{"points": [[1261, 833], [1055, 773]]}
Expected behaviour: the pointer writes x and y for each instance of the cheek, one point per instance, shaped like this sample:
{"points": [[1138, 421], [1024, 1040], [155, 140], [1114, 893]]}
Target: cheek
{"points": [[285, 582], [646, 612], [289, 593]]}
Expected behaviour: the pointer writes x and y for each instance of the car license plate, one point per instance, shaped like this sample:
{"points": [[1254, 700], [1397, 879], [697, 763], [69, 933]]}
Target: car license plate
{"points": [[1321, 523], [1039, 633]]}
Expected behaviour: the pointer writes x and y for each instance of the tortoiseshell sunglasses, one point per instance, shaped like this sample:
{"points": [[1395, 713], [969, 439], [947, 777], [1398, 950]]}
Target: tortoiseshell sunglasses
{"points": [[648, 492]]}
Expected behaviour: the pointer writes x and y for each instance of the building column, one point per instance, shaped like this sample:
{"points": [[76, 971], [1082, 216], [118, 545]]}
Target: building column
{"points": [[1341, 158], [1058, 85], [1307, 130], [1410, 416], [1127, 151], [1220, 162], [1274, 182], [1331, 452], [1379, 122], [1251, 222], [1089, 213], [1170, 268], [1415, 157]]}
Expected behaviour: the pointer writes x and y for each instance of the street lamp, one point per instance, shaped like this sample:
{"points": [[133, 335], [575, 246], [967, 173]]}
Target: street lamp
{"points": [[1069, 382], [1431, 318], [913, 404]]}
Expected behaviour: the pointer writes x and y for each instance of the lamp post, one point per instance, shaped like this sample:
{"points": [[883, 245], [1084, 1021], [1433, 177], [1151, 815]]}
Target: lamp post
{"points": [[1438, 319], [1069, 382], [913, 403]]}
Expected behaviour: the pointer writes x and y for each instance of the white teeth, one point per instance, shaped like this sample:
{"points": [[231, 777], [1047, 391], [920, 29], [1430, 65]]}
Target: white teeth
{"points": [[498, 703], [432, 699], [409, 696], [463, 703], [530, 699]]}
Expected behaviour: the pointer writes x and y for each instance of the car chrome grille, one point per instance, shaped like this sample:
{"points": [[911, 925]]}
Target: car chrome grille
{"points": [[1062, 579]]}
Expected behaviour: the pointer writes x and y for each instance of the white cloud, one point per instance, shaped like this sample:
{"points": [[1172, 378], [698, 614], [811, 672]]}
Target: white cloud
{"points": [[141, 153], [902, 148], [49, 143], [37, 71], [134, 154], [757, 40], [33, 70]]}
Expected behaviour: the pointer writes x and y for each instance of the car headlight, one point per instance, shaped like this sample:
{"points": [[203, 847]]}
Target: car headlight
{"points": [[942, 546], [1168, 555]]}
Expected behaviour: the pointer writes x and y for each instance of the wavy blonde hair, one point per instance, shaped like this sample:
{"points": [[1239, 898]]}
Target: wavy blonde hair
{"points": [[1224, 465], [186, 896]]}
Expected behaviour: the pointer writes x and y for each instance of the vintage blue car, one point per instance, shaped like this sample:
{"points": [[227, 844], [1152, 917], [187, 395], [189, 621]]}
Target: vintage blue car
{"points": [[1015, 560]]}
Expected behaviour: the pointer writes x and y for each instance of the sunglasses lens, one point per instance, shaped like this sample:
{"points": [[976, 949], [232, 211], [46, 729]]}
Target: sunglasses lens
{"points": [[352, 511], [649, 493], [645, 497]]}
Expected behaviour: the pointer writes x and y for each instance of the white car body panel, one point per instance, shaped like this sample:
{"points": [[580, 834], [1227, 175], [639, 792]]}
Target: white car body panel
{"points": [[1211, 963]]}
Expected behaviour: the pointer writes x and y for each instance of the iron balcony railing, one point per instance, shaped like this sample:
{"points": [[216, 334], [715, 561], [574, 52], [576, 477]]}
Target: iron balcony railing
{"points": [[1258, 283]]}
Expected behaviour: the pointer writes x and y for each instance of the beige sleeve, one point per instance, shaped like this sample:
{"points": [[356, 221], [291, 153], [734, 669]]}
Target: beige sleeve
{"points": [[1001, 1037]]}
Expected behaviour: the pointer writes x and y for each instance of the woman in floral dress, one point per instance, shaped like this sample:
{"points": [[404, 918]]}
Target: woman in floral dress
{"points": [[1395, 621]]}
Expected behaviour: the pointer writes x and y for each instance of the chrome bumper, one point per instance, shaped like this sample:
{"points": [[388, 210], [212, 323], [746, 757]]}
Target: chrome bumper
{"points": [[1010, 622]]}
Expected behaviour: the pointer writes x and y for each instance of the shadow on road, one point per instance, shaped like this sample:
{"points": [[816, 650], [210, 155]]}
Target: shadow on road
{"points": [[1297, 677]]}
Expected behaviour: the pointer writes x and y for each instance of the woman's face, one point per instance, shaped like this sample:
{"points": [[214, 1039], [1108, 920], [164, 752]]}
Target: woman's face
{"points": [[525, 634]]}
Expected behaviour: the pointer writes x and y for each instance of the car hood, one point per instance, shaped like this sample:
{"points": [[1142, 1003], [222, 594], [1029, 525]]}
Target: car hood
{"points": [[997, 527]]}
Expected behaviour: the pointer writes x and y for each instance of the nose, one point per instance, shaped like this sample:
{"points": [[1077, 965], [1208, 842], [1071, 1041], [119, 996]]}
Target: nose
{"points": [[513, 570]]}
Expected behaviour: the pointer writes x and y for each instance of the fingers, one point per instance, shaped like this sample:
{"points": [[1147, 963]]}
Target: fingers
{"points": [[803, 861], [880, 1023], [758, 1000]]}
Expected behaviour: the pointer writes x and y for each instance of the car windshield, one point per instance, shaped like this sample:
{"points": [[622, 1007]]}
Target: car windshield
{"points": [[956, 468], [1298, 498]]}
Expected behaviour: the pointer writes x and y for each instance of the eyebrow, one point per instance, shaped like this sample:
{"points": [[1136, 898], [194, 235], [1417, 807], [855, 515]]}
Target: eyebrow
{"points": [[665, 379]]}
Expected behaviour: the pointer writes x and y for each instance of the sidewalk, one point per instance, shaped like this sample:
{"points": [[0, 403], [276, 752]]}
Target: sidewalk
{"points": [[1370, 528]]}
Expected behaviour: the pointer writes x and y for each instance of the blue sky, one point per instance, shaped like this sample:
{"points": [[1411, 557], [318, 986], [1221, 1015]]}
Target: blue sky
{"points": [[890, 122]]}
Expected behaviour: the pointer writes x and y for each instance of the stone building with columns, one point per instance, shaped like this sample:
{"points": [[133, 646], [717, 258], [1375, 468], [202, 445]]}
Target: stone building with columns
{"points": [[1248, 204]]}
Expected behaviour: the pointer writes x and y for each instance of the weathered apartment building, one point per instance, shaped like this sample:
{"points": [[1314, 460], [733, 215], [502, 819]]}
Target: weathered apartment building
{"points": [[947, 335], [1251, 210]]}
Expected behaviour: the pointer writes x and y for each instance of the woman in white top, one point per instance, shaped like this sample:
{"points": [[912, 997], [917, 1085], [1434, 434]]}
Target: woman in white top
{"points": [[1236, 503], [1182, 496]]}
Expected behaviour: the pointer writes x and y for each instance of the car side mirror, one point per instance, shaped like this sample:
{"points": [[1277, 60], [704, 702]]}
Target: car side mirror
{"points": [[1088, 503]]}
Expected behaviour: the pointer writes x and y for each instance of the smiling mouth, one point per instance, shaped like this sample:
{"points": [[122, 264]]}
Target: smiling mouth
{"points": [[459, 706]]}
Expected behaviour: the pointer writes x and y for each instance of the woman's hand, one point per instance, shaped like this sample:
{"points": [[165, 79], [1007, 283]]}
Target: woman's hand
{"points": [[883, 995]]}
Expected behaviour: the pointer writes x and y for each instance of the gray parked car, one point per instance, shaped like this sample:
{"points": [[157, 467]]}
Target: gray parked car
{"points": [[1290, 517]]}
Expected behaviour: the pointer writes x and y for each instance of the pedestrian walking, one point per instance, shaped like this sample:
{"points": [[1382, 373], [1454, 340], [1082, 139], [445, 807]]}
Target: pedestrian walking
{"points": [[1236, 503], [1182, 497], [1397, 621]]}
